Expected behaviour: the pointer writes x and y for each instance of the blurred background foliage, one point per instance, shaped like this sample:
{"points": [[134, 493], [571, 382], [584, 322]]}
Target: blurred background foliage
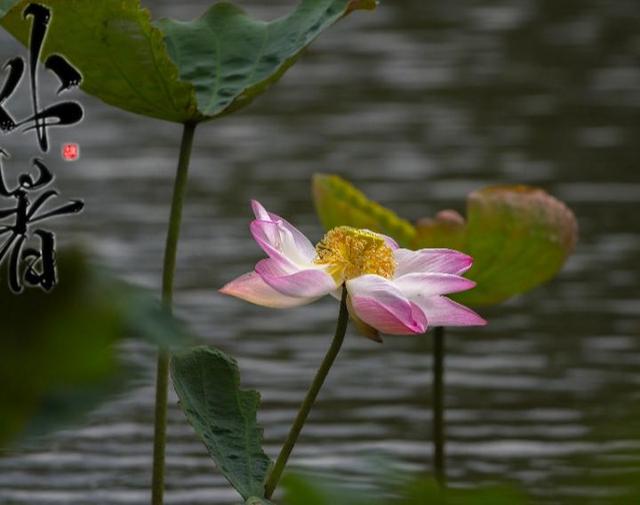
{"points": [[308, 490], [60, 353]]}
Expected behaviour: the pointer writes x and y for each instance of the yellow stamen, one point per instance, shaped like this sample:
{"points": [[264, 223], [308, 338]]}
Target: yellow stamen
{"points": [[352, 252]]}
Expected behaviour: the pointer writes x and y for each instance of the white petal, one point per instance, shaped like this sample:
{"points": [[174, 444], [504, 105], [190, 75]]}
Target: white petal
{"points": [[446, 261], [444, 312], [427, 284]]}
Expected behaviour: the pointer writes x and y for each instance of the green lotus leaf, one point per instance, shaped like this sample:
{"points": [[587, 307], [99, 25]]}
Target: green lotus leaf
{"points": [[340, 203], [519, 236], [223, 416], [173, 70], [59, 356]]}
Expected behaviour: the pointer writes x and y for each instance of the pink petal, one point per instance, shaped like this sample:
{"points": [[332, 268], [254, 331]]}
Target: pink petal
{"points": [[259, 211], [308, 283], [363, 328], [379, 304], [424, 285], [253, 289], [444, 312], [446, 261], [273, 268], [300, 242], [283, 236], [266, 234], [278, 242]]}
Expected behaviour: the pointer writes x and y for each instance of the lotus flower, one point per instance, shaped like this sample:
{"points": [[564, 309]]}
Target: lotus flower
{"points": [[390, 290]]}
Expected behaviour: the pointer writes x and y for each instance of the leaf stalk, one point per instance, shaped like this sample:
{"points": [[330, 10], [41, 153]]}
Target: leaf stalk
{"points": [[168, 272]]}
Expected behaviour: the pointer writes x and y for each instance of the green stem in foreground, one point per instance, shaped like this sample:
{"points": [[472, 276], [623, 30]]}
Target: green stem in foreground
{"points": [[312, 394], [439, 468], [170, 254]]}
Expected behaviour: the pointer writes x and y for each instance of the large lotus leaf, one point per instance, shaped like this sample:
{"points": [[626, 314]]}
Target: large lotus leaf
{"points": [[519, 236], [173, 70], [59, 356], [120, 53], [224, 417]]}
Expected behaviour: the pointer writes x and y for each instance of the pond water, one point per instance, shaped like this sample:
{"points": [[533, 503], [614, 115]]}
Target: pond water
{"points": [[417, 103]]}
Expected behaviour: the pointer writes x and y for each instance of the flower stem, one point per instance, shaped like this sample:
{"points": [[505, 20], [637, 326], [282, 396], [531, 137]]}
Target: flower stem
{"points": [[438, 406], [312, 394], [170, 254]]}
